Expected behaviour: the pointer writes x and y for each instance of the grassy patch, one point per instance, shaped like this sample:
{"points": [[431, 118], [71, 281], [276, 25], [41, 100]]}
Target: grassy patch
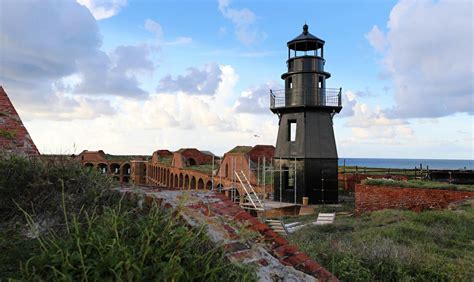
{"points": [[85, 231], [393, 245], [165, 160], [132, 245], [7, 134], [206, 168], [425, 184]]}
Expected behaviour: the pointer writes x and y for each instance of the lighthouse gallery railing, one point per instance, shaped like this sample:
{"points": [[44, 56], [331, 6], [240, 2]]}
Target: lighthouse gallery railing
{"points": [[321, 97]]}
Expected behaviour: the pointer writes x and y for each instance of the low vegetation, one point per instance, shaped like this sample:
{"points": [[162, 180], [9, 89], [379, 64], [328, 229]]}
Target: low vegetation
{"points": [[425, 184], [7, 134], [60, 221], [394, 245]]}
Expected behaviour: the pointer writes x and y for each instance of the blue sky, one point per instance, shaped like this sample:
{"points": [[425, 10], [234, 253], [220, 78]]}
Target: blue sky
{"points": [[130, 77]]}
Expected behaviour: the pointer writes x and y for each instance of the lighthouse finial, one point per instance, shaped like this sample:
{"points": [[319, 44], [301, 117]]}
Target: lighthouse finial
{"points": [[305, 28]]}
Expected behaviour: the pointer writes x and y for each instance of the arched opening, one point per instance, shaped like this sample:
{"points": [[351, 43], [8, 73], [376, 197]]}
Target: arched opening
{"points": [[115, 170], [200, 184], [171, 181], [89, 166], [219, 187], [226, 170], [191, 162], [193, 183], [176, 183], [126, 169], [209, 185], [186, 182], [181, 179], [102, 168]]}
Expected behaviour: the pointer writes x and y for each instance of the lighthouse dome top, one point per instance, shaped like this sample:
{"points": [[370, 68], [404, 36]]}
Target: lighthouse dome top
{"points": [[305, 41]]}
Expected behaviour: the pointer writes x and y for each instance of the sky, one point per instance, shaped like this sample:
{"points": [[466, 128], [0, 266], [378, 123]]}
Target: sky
{"points": [[134, 76]]}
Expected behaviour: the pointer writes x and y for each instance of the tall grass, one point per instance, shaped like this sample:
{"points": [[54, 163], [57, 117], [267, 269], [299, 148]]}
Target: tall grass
{"points": [[132, 245], [84, 231], [394, 245]]}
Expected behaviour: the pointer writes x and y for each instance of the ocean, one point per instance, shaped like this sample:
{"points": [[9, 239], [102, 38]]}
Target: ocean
{"points": [[408, 163]]}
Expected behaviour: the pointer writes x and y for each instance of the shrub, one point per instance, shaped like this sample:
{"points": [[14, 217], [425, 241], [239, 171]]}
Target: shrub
{"points": [[36, 184]]}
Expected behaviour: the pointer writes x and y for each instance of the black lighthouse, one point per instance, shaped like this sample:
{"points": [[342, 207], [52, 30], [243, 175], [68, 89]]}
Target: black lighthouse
{"points": [[306, 156]]}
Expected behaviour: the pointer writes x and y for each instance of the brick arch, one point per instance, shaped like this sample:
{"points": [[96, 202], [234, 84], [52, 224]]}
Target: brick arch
{"points": [[102, 168], [171, 180], [209, 185], [186, 181], [176, 183], [114, 168], [193, 183], [181, 180], [219, 187], [200, 184], [89, 165]]}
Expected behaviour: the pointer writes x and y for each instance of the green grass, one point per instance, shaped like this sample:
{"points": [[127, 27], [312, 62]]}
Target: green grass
{"points": [[425, 184], [7, 134], [394, 245], [165, 160], [84, 230], [132, 245], [206, 168], [378, 171]]}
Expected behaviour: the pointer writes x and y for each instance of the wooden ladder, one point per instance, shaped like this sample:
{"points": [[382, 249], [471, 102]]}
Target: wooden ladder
{"points": [[250, 199]]}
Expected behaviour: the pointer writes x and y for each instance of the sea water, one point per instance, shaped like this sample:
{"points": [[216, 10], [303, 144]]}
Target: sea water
{"points": [[408, 163]]}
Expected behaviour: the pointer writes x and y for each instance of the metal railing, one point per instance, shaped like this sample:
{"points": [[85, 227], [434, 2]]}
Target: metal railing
{"points": [[311, 96]]}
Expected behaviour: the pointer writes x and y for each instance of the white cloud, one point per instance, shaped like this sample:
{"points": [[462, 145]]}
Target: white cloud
{"points": [[376, 38], [256, 100], [154, 28], [244, 21], [196, 81], [46, 73], [348, 103], [429, 57], [373, 125], [103, 9]]}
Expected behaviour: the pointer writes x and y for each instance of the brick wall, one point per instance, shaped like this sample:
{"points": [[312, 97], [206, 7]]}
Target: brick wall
{"points": [[14, 137], [371, 198], [350, 180]]}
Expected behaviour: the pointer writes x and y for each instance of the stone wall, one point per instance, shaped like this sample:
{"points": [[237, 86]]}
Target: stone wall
{"points": [[372, 197]]}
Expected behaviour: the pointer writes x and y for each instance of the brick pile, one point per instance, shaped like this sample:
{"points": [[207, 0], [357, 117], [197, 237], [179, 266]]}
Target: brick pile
{"points": [[229, 225], [14, 137], [373, 197]]}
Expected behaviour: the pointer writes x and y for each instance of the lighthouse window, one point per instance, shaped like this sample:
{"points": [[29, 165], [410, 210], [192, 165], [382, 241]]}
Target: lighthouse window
{"points": [[290, 82], [292, 130]]}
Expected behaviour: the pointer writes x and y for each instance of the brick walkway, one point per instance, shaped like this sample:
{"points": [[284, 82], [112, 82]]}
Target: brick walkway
{"points": [[245, 238]]}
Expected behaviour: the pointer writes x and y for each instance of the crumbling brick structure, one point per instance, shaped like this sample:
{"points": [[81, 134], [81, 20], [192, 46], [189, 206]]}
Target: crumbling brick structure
{"points": [[375, 197], [14, 138]]}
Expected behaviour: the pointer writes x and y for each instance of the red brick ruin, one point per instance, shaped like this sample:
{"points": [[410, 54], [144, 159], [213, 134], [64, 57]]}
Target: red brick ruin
{"points": [[14, 138]]}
